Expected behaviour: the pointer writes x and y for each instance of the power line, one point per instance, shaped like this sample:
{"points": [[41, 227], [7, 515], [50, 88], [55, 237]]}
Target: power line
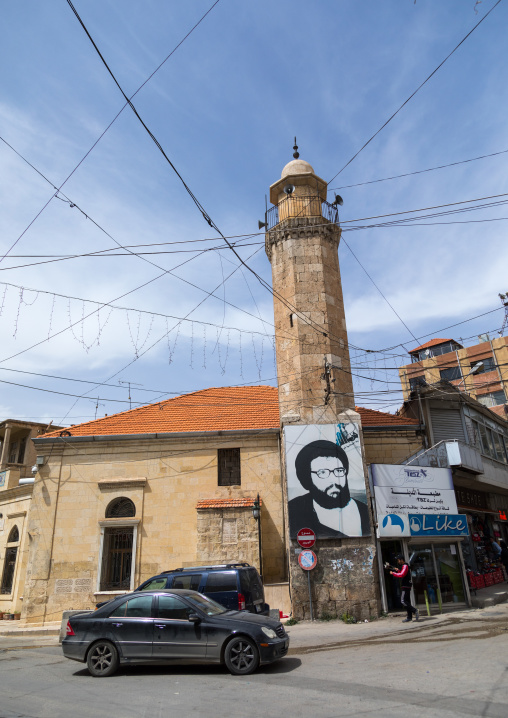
{"points": [[200, 207], [438, 206], [418, 172], [380, 292], [414, 93], [108, 127]]}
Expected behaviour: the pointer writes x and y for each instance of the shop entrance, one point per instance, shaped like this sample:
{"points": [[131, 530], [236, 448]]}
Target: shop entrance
{"points": [[437, 577], [389, 550]]}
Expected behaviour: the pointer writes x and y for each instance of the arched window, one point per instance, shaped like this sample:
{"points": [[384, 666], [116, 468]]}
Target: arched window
{"points": [[14, 535], [120, 508], [118, 547], [11, 553]]}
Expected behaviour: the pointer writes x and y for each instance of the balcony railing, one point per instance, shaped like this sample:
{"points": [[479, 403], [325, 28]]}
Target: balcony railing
{"points": [[449, 454], [304, 206]]}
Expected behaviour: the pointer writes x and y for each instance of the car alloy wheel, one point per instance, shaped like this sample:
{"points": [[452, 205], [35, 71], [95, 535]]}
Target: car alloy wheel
{"points": [[241, 656], [102, 659]]}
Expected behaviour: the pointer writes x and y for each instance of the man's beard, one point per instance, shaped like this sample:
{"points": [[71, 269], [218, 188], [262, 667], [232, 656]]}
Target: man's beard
{"points": [[332, 502]]}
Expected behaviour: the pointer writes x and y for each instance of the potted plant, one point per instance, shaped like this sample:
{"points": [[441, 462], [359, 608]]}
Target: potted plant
{"points": [[16, 615]]}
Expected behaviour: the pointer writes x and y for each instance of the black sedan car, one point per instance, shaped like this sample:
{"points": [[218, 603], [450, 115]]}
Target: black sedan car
{"points": [[172, 625]]}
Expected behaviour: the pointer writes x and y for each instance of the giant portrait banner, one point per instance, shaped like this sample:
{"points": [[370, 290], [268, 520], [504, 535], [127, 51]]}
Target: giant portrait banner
{"points": [[326, 480]]}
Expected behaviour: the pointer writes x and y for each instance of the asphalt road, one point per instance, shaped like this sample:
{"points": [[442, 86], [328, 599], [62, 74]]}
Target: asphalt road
{"points": [[456, 669]]}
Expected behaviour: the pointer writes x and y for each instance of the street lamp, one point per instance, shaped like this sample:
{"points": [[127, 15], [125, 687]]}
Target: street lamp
{"points": [[474, 370], [256, 513]]}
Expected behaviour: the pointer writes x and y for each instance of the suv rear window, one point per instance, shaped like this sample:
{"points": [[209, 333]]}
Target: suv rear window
{"points": [[190, 581], [155, 584], [251, 584], [221, 581]]}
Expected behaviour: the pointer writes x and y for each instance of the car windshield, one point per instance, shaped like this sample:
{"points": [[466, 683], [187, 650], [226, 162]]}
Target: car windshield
{"points": [[211, 608]]}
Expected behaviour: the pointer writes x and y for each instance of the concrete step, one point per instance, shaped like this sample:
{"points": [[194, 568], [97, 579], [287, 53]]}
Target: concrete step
{"points": [[496, 594], [15, 628]]}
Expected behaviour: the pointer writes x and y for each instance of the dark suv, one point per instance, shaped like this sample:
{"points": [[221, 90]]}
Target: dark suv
{"points": [[236, 586]]}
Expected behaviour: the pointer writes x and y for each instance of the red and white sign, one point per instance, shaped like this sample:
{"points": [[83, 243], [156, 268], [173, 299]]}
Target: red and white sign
{"points": [[307, 560], [306, 538]]}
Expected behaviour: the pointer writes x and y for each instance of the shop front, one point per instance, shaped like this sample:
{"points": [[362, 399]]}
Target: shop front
{"points": [[408, 500], [482, 562], [437, 569]]}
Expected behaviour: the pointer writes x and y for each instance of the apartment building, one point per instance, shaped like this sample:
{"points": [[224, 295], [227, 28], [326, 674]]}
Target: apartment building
{"points": [[480, 370]]}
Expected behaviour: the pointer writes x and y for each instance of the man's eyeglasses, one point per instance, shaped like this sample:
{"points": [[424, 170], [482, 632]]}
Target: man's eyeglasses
{"points": [[325, 473]]}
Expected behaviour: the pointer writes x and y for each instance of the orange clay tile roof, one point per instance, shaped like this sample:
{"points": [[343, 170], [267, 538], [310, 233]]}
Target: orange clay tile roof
{"points": [[227, 503], [217, 409], [371, 418], [432, 343]]}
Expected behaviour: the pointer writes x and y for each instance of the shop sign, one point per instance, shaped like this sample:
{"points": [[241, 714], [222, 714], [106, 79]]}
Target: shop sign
{"points": [[438, 525], [503, 515], [471, 498], [432, 525], [402, 490], [3, 474]]}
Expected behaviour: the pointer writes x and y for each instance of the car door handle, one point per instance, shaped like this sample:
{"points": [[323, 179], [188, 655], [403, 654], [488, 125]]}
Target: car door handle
{"points": [[117, 625], [158, 625]]}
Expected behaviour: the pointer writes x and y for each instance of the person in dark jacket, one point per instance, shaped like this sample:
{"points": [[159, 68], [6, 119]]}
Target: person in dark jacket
{"points": [[404, 574]]}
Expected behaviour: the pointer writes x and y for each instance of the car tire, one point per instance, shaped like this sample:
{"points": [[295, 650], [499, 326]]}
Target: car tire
{"points": [[102, 659], [241, 656]]}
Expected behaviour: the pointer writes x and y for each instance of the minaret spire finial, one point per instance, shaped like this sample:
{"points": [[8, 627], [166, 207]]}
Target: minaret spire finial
{"points": [[296, 154]]}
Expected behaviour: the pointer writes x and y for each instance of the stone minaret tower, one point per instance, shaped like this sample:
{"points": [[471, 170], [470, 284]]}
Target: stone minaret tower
{"points": [[315, 382], [314, 374]]}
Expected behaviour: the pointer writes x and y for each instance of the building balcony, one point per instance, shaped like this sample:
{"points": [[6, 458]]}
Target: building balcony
{"points": [[450, 454], [296, 206]]}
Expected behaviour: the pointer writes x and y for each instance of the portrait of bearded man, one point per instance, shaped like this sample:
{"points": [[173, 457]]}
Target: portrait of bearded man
{"points": [[327, 508]]}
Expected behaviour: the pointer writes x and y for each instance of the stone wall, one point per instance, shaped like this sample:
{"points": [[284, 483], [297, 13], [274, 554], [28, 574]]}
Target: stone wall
{"points": [[226, 535], [165, 479]]}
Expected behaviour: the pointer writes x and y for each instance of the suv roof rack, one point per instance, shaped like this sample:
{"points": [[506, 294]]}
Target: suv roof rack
{"points": [[208, 567]]}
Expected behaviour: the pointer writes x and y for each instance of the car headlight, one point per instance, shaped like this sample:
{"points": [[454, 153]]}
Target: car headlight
{"points": [[269, 632]]}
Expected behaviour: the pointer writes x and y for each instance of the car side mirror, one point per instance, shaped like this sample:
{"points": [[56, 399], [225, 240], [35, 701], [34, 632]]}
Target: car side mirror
{"points": [[194, 618]]}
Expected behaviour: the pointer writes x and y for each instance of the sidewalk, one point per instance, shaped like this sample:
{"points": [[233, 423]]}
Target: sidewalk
{"points": [[314, 635]]}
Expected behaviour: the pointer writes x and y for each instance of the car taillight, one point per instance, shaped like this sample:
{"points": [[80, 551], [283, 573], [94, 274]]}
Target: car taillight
{"points": [[241, 602], [70, 632]]}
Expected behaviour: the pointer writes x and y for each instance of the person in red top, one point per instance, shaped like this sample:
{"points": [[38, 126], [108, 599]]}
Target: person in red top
{"points": [[404, 574]]}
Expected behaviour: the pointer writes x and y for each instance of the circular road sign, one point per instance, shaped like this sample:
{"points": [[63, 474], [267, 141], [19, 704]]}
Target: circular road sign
{"points": [[306, 538], [307, 560]]}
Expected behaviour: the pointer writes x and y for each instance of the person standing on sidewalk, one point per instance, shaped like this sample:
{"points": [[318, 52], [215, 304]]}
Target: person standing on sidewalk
{"points": [[404, 574]]}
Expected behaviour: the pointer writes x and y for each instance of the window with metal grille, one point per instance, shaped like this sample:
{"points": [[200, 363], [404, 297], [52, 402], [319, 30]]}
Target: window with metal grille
{"points": [[487, 364], [120, 508], [11, 554], [417, 381], [492, 399], [8, 572], [117, 558], [228, 462], [450, 374]]}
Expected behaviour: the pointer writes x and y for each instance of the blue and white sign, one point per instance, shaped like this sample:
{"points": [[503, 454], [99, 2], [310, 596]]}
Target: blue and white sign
{"points": [[3, 474], [402, 490], [393, 525], [438, 525]]}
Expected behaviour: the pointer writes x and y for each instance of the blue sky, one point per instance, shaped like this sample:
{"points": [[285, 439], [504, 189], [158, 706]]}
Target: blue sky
{"points": [[225, 108]]}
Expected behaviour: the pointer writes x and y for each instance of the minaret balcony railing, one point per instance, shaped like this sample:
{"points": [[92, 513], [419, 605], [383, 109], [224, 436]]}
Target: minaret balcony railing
{"points": [[294, 207]]}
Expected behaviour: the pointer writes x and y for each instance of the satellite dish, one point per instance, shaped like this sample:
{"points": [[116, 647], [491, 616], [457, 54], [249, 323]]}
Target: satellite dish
{"points": [[338, 200], [289, 189]]}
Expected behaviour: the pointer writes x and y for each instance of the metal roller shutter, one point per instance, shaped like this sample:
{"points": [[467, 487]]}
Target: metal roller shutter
{"points": [[446, 424]]}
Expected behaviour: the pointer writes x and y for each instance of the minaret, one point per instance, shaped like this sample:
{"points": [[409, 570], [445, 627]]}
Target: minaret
{"points": [[321, 432], [302, 241]]}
